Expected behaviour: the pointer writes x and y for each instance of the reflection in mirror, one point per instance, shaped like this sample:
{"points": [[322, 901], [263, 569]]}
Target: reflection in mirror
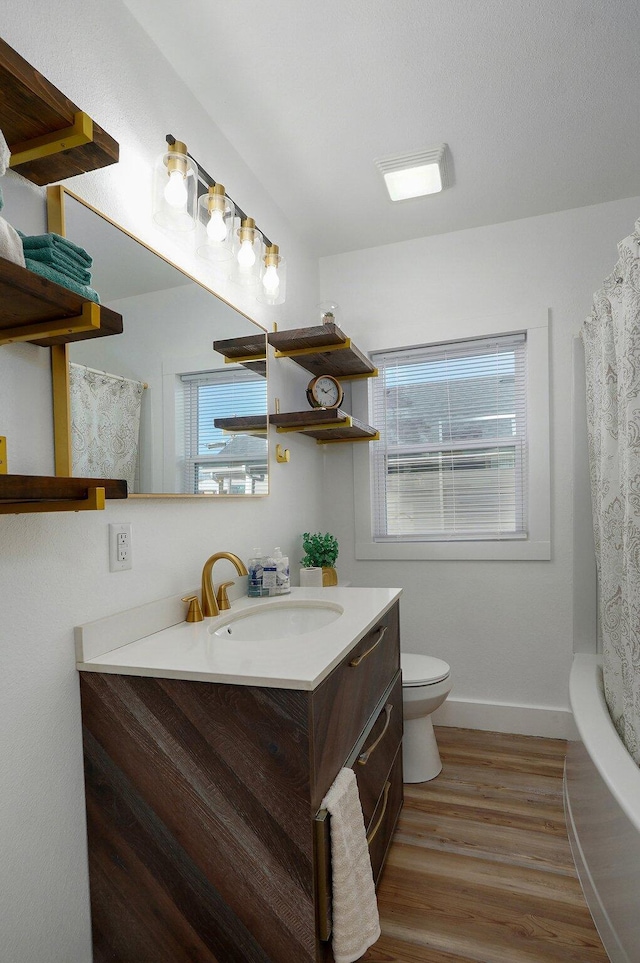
{"points": [[157, 405]]}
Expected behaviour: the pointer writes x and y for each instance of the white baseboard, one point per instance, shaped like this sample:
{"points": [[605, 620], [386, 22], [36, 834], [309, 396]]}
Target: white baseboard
{"points": [[500, 717]]}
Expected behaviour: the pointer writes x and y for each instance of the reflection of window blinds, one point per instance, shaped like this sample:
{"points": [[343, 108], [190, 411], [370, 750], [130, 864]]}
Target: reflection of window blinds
{"points": [[218, 394], [451, 460]]}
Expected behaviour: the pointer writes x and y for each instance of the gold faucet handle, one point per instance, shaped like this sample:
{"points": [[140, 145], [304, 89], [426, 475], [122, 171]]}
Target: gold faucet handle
{"points": [[221, 596], [195, 612]]}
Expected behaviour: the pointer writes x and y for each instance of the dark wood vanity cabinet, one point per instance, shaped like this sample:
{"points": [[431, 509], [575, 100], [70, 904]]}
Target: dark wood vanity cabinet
{"points": [[204, 831]]}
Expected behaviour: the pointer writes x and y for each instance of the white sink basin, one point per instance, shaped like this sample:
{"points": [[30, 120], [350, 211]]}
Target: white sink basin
{"points": [[279, 620]]}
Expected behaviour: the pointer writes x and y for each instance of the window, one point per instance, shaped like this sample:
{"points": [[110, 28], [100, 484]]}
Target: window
{"points": [[451, 460], [461, 470], [216, 462]]}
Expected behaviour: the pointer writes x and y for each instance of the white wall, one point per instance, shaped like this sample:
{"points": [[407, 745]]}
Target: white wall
{"points": [[54, 568], [506, 628]]}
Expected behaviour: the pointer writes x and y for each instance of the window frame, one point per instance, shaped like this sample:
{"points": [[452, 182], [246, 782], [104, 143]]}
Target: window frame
{"points": [[537, 544], [193, 462]]}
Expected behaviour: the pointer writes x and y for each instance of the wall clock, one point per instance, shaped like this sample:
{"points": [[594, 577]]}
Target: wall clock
{"points": [[324, 391]]}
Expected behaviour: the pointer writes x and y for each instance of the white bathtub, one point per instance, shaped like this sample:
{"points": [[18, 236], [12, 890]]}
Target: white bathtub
{"points": [[602, 804]]}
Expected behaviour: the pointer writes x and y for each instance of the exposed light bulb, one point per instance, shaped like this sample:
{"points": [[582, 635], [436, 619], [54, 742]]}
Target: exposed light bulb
{"points": [[246, 254], [175, 193], [216, 228], [271, 280]]}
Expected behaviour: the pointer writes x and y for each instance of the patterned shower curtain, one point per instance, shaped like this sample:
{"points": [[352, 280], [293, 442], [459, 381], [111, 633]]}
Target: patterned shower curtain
{"points": [[105, 424], [611, 339]]}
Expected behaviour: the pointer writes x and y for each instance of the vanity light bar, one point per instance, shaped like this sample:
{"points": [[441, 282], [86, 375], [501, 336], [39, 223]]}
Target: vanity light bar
{"points": [[205, 181]]}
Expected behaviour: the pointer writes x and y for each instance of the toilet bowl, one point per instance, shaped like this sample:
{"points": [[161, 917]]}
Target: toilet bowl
{"points": [[426, 683]]}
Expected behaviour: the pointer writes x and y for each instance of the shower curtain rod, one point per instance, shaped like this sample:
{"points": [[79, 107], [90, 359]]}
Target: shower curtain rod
{"points": [[108, 374]]}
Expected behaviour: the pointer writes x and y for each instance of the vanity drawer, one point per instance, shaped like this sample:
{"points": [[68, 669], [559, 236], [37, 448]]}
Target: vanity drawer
{"points": [[385, 818], [375, 754], [342, 705]]}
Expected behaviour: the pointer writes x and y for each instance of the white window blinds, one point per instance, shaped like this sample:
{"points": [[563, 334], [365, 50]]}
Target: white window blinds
{"points": [[216, 462], [451, 460]]}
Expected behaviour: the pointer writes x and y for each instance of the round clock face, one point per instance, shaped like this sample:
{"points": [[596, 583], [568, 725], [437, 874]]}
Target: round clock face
{"points": [[324, 392]]}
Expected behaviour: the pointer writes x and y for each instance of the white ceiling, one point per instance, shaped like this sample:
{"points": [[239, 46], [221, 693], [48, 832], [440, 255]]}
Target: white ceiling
{"points": [[538, 103]]}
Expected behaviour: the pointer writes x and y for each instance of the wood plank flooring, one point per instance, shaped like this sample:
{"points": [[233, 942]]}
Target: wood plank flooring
{"points": [[480, 869]]}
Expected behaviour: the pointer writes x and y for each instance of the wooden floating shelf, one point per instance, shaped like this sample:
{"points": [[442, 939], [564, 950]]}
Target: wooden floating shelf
{"points": [[249, 351], [326, 425], [247, 424], [36, 493], [323, 349], [49, 137], [45, 313]]}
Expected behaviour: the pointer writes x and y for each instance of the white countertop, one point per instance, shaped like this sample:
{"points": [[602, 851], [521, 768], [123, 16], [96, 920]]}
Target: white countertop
{"points": [[150, 641]]}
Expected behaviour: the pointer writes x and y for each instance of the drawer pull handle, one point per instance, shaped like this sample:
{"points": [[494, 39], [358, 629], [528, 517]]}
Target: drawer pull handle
{"points": [[362, 657], [363, 758], [371, 836]]}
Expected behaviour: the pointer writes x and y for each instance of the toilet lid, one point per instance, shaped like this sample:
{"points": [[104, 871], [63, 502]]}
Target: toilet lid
{"points": [[422, 669]]}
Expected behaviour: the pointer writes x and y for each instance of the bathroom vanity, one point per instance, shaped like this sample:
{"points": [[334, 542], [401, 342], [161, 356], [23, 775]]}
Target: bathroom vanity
{"points": [[207, 757]]}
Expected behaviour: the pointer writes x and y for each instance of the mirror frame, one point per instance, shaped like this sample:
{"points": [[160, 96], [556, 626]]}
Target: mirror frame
{"points": [[56, 222]]}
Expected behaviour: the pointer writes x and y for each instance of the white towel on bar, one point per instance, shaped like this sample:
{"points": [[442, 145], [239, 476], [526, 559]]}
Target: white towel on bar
{"points": [[356, 924]]}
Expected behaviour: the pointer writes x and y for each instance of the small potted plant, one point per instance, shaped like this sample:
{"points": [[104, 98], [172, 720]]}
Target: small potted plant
{"points": [[321, 551]]}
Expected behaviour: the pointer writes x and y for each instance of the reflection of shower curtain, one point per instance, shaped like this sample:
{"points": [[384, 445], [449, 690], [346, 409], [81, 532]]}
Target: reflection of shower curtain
{"points": [[105, 415], [612, 349]]}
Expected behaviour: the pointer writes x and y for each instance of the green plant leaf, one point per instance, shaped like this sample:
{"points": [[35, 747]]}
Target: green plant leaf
{"points": [[320, 550]]}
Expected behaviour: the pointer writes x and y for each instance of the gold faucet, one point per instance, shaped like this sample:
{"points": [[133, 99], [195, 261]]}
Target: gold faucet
{"points": [[211, 605]]}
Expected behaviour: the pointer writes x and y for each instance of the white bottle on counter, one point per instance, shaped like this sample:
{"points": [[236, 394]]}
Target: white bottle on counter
{"points": [[269, 575], [254, 581], [283, 581]]}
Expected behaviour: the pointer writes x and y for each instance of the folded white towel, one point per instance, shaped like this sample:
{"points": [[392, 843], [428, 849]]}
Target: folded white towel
{"points": [[10, 243], [5, 155], [356, 924]]}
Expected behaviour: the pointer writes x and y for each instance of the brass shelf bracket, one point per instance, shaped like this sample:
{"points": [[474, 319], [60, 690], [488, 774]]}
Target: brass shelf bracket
{"points": [[242, 359], [80, 132], [327, 426], [94, 502], [3, 455], [351, 440], [87, 320], [323, 349], [359, 377]]}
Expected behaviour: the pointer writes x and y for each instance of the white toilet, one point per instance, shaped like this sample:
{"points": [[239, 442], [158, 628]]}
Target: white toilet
{"points": [[426, 683]]}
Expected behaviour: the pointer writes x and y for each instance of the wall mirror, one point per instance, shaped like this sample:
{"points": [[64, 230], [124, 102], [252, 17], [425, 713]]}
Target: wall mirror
{"points": [[157, 404]]}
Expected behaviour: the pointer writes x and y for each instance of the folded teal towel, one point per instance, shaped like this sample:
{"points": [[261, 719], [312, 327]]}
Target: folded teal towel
{"points": [[52, 275], [29, 242], [57, 258]]}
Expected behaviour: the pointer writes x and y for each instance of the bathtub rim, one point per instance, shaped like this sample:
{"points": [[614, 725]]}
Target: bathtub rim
{"points": [[599, 737]]}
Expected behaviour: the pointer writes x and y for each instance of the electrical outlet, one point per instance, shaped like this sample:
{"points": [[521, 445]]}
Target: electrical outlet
{"points": [[119, 546]]}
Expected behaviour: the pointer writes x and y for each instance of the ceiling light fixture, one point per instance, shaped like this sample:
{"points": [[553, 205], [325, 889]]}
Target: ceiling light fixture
{"points": [[186, 195], [248, 254], [175, 192], [274, 277], [216, 214], [417, 174]]}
